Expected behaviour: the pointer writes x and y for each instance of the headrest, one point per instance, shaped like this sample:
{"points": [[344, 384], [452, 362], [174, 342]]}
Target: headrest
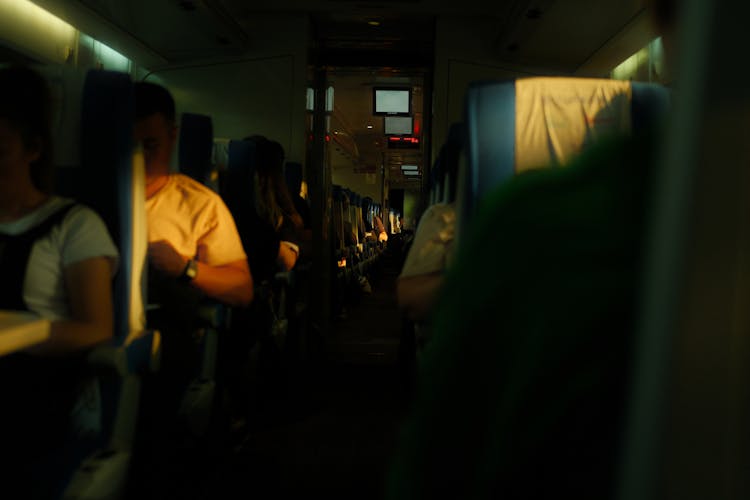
{"points": [[238, 185], [557, 117], [196, 146], [242, 156], [336, 192], [528, 123], [452, 147]]}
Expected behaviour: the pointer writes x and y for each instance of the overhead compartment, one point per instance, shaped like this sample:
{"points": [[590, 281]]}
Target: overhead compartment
{"points": [[176, 30]]}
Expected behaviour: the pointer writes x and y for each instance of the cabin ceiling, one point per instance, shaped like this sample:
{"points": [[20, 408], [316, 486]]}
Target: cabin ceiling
{"points": [[560, 35]]}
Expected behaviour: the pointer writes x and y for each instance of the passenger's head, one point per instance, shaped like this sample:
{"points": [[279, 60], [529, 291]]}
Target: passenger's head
{"points": [[272, 159], [272, 197], [155, 125], [25, 126]]}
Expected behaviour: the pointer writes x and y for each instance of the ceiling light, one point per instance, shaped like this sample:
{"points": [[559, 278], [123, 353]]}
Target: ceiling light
{"points": [[373, 23], [409, 167], [369, 126]]}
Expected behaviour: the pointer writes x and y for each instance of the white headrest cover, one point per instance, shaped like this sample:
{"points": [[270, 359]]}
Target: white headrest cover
{"points": [[557, 117]]}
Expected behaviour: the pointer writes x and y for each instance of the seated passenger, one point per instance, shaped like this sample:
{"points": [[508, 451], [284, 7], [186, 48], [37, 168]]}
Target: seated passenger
{"points": [[426, 262], [302, 207], [523, 391], [272, 236], [194, 251], [300, 204], [379, 228], [192, 236], [350, 235], [57, 261]]}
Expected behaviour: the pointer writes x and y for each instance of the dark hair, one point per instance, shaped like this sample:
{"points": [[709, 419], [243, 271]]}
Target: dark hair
{"points": [[26, 103], [150, 99], [272, 197]]}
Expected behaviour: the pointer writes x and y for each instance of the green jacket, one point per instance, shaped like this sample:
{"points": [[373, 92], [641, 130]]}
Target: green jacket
{"points": [[523, 388]]}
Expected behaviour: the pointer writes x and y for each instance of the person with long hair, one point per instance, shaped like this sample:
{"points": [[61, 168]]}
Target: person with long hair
{"points": [[278, 223]]}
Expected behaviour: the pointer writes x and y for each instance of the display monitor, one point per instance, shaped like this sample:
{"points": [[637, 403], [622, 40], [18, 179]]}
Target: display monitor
{"points": [[391, 101], [397, 125]]}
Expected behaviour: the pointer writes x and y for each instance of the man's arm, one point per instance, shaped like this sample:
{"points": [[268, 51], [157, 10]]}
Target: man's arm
{"points": [[230, 283]]}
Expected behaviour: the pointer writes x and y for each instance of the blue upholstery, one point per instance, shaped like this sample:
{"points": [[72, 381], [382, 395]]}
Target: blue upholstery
{"points": [[490, 114], [336, 192], [449, 156], [196, 146], [106, 159], [105, 180], [293, 176], [238, 184], [649, 105]]}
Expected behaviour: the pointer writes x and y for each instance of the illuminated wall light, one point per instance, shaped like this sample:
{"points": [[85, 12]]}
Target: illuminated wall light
{"points": [[310, 99], [651, 56], [109, 58], [329, 99], [27, 25]]}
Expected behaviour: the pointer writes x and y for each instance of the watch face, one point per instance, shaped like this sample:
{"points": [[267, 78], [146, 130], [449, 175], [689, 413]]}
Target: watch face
{"points": [[192, 269]]}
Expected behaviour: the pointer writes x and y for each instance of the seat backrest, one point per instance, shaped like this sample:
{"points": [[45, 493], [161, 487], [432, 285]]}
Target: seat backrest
{"points": [[98, 166], [293, 177], [196, 146], [450, 154], [436, 176], [238, 183], [517, 125], [117, 183], [337, 195]]}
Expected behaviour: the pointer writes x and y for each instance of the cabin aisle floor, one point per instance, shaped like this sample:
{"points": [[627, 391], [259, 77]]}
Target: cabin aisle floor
{"points": [[334, 434], [336, 440]]}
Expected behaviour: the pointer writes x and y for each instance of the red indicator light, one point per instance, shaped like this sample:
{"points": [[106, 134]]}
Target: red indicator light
{"points": [[328, 138]]}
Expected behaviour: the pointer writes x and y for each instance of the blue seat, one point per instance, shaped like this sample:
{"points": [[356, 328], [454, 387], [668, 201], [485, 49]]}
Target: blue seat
{"points": [[195, 152], [450, 155], [293, 175], [491, 135], [196, 147], [97, 466], [238, 183]]}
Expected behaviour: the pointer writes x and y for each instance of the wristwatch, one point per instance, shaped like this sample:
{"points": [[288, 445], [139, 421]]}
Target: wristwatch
{"points": [[190, 271]]}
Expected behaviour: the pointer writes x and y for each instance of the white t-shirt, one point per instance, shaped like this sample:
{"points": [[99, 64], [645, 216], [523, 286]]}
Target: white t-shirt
{"points": [[195, 221], [433, 242], [80, 235]]}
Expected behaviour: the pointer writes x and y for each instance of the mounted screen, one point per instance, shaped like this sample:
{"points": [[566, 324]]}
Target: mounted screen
{"points": [[397, 125], [391, 101]]}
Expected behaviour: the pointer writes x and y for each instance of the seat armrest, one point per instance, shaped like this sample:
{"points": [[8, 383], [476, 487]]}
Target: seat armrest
{"points": [[139, 355], [213, 314], [284, 278]]}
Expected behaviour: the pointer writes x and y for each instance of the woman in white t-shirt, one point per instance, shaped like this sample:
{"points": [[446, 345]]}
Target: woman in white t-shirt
{"points": [[56, 261]]}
